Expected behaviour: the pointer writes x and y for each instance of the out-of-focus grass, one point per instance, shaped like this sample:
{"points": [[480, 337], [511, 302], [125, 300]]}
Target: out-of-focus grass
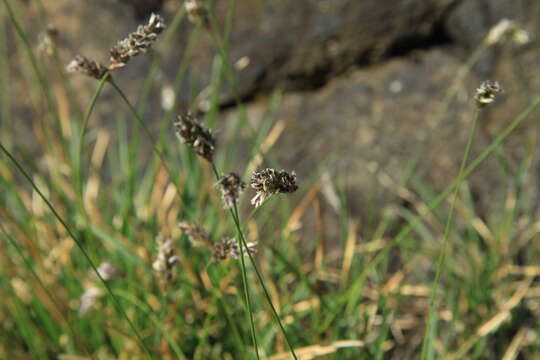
{"points": [[361, 295]]}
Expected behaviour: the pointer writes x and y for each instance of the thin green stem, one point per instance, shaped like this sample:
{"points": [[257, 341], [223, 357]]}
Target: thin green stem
{"points": [[244, 278], [236, 218], [229, 74], [140, 121], [45, 289], [261, 281], [92, 104], [443, 107], [246, 292], [147, 132], [427, 344], [117, 304], [86, 119], [159, 324], [232, 323]]}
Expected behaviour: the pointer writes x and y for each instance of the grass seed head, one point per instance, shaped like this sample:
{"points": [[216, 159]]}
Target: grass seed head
{"points": [[507, 30], [231, 186], [89, 299], [136, 43], [197, 13], [48, 40], [87, 67], [166, 259], [195, 233], [229, 248], [195, 135], [268, 182], [487, 92], [107, 270]]}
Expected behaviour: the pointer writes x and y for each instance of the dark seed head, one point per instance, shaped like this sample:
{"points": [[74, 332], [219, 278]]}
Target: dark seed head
{"points": [[269, 181], [195, 135]]}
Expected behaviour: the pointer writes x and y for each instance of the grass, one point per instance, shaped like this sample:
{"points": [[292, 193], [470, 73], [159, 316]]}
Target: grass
{"points": [[432, 280]]}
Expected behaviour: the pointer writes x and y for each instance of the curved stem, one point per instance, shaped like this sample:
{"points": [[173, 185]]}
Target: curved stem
{"points": [[246, 291], [229, 74], [148, 134], [443, 107], [86, 119]]}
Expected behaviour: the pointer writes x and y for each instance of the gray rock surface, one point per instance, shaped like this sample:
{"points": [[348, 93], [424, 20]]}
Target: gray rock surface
{"points": [[361, 78]]}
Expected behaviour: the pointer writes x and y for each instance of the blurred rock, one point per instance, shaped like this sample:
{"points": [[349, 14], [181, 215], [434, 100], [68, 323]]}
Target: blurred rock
{"points": [[361, 78], [143, 8], [300, 45]]}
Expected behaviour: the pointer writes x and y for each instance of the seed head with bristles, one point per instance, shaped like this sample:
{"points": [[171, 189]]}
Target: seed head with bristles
{"points": [[89, 299], [48, 40], [138, 42], [507, 30], [269, 182], [166, 259], [194, 134], [197, 13], [107, 270], [231, 186], [196, 234], [87, 67], [229, 248], [487, 93]]}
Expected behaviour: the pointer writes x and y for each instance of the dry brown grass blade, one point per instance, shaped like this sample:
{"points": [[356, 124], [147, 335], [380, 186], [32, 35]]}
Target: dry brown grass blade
{"points": [[63, 109], [22, 235], [531, 270], [348, 254], [315, 351], [167, 214], [266, 145], [5, 172], [517, 343], [158, 191], [482, 229], [493, 324], [372, 246], [321, 243], [297, 214], [306, 305], [93, 185]]}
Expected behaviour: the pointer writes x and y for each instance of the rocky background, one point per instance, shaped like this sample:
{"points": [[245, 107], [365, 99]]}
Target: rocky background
{"points": [[359, 80]]}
